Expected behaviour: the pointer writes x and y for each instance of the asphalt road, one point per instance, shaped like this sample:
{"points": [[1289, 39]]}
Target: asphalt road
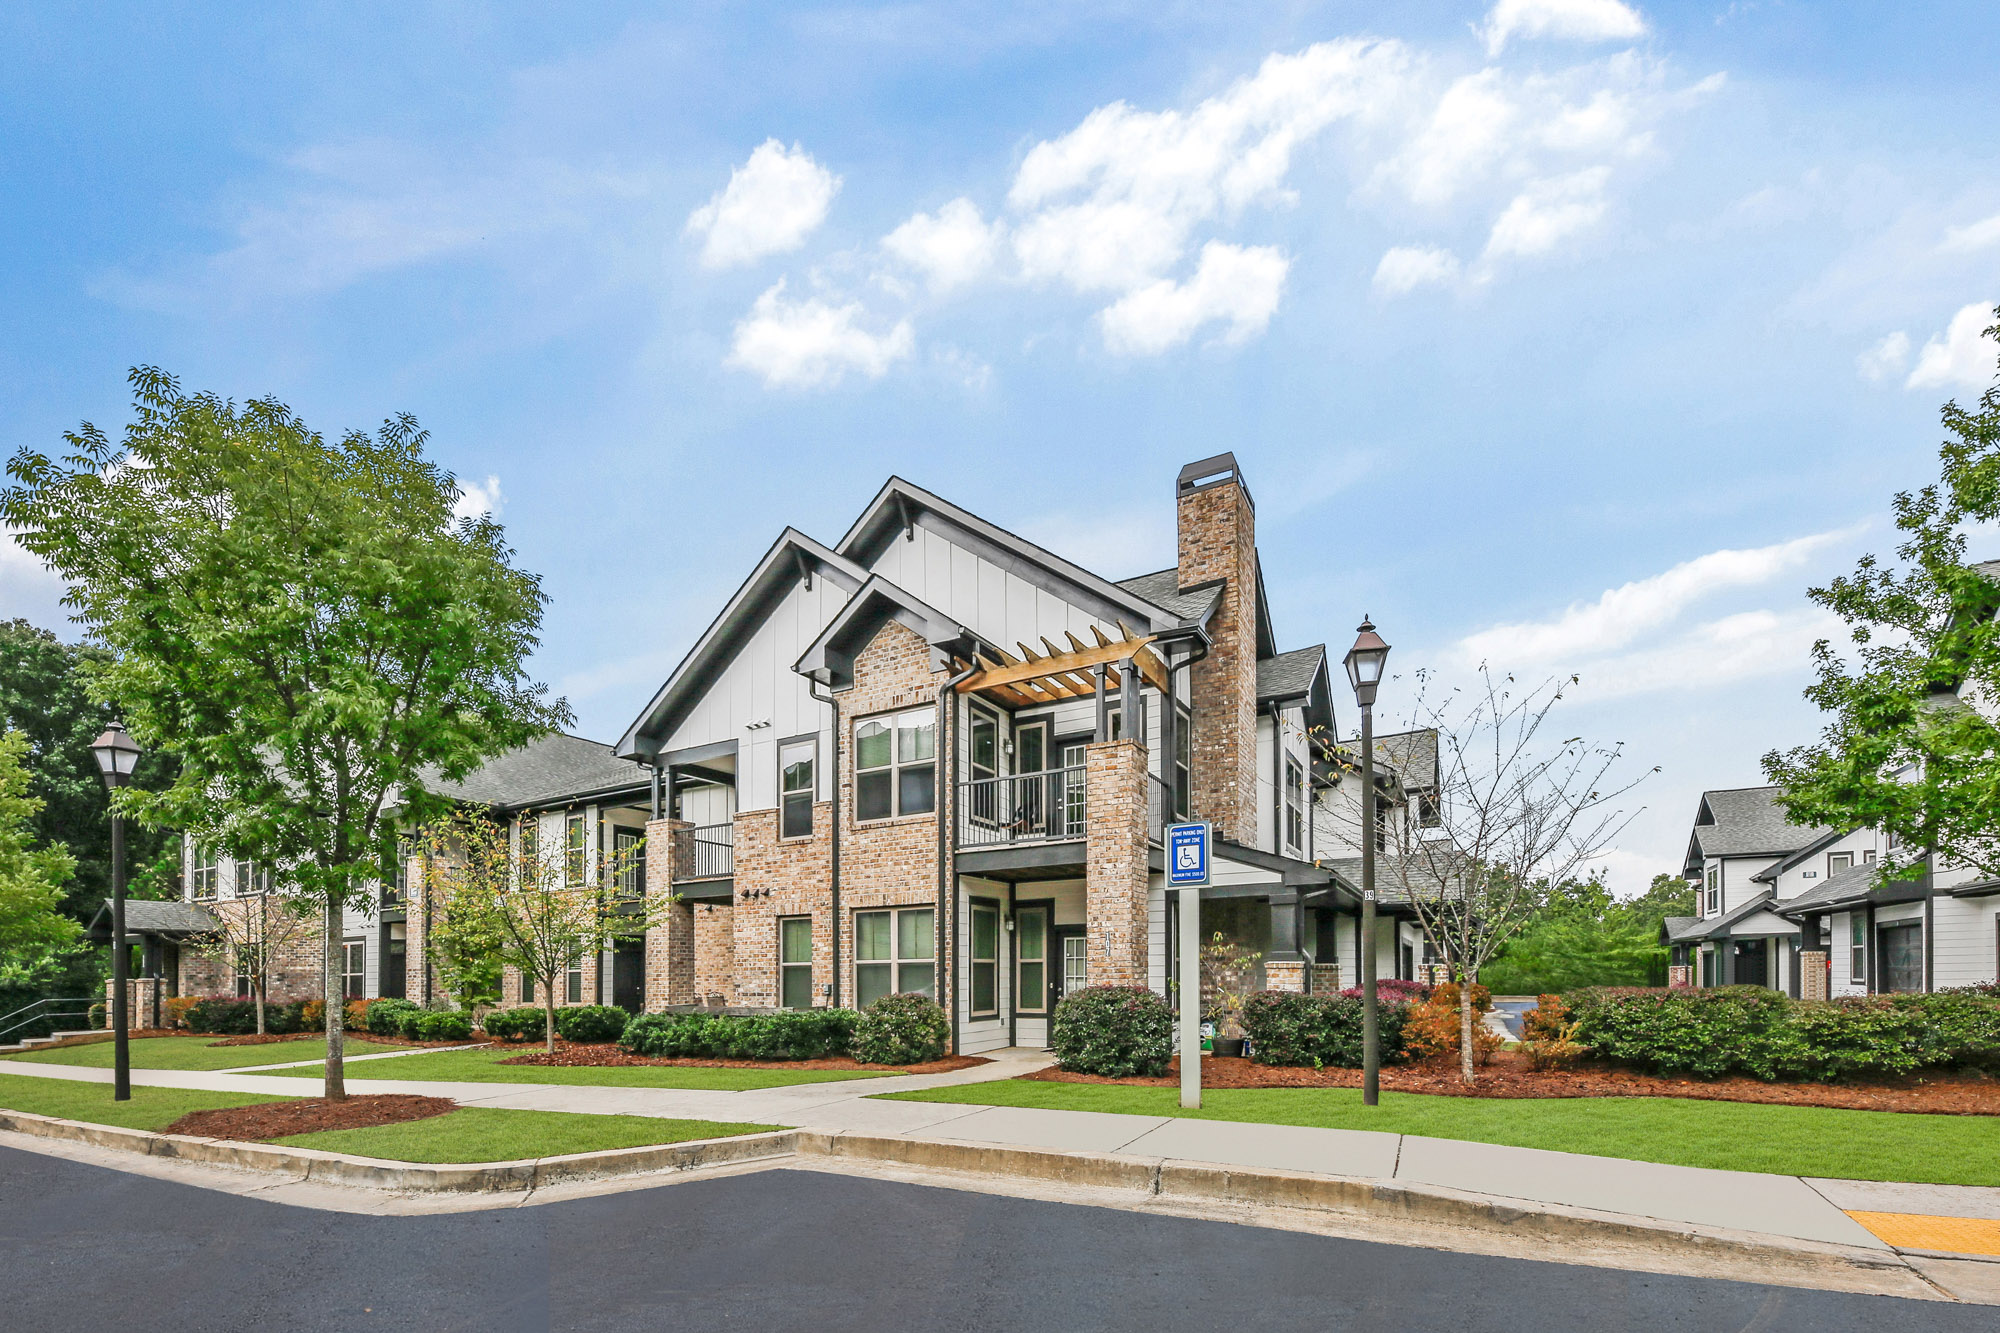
{"points": [[85, 1247]]}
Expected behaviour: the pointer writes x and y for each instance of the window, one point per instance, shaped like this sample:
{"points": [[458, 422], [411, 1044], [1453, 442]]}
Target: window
{"points": [[1857, 949], [795, 962], [203, 873], [576, 848], [1838, 861], [628, 857], [1183, 761], [1031, 960], [573, 982], [1429, 815], [396, 872], [894, 952], [527, 989], [353, 968], [1714, 890], [1295, 805], [895, 760], [985, 960], [795, 788], [531, 848], [242, 957], [252, 879], [1868, 857]]}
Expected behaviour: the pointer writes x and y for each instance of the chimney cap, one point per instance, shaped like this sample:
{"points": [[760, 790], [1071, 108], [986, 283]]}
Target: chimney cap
{"points": [[1210, 472]]}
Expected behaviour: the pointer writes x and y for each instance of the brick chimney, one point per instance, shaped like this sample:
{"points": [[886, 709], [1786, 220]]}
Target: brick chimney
{"points": [[1217, 525]]}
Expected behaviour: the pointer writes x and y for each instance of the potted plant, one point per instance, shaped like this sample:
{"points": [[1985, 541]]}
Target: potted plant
{"points": [[1228, 974]]}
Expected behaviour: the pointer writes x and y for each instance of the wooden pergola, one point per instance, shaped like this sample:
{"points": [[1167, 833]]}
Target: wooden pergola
{"points": [[1064, 673]]}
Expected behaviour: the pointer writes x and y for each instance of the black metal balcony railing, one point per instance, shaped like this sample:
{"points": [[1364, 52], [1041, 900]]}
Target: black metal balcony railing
{"points": [[714, 854], [1028, 807]]}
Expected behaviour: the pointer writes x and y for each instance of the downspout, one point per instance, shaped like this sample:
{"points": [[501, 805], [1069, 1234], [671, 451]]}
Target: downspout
{"points": [[833, 710], [1013, 967], [1930, 921], [948, 816]]}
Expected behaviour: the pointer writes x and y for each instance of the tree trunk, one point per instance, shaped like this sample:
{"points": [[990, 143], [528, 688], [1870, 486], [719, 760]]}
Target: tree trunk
{"points": [[549, 1012], [257, 992], [335, 999], [1465, 1012]]}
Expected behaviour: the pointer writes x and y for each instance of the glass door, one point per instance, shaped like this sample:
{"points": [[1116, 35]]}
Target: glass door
{"points": [[1031, 759], [983, 757], [1031, 961], [1072, 970], [1069, 785]]}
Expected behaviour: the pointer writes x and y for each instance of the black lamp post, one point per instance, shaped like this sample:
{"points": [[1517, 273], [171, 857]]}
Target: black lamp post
{"points": [[1365, 661], [117, 755]]}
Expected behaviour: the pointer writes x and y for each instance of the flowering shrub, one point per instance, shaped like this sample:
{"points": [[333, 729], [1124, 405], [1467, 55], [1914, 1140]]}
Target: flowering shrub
{"points": [[1402, 992], [1115, 1031]]}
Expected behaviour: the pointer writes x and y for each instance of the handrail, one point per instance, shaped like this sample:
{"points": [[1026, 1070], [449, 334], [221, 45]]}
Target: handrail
{"points": [[85, 1001], [714, 851], [1023, 807]]}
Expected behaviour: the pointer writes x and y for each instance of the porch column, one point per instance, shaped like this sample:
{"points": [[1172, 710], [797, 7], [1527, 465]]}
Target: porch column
{"points": [[1872, 971], [1285, 965], [1117, 870], [670, 944], [1725, 958]]}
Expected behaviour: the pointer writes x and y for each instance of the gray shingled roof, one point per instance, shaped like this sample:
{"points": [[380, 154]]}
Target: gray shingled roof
{"points": [[146, 917], [1411, 756], [1853, 885], [1722, 927], [1675, 929], [556, 767], [1289, 675], [1163, 589], [1748, 821]]}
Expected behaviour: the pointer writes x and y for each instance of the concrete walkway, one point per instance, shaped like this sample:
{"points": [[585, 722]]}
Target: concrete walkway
{"points": [[1787, 1206]]}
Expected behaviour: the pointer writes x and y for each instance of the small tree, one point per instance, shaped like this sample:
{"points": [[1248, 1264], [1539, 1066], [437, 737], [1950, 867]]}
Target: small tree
{"points": [[542, 911], [31, 878], [1228, 974], [255, 935], [1515, 811]]}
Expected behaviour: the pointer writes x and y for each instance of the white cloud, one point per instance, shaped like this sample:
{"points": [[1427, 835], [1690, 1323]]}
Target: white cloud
{"points": [[1961, 355], [1972, 236], [1408, 267], [771, 204], [1624, 614], [801, 344], [29, 589], [1118, 543], [1885, 358], [950, 247], [1236, 284], [1469, 131], [1547, 213], [1576, 20], [479, 499], [1735, 647]]}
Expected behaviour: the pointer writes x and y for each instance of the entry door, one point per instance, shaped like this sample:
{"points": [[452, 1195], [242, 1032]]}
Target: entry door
{"points": [[1031, 788], [1071, 972], [1902, 958], [628, 975], [1070, 786]]}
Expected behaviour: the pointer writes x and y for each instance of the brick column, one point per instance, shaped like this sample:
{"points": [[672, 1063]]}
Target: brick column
{"points": [[1117, 870], [1812, 974], [1285, 977], [670, 944], [1326, 978]]}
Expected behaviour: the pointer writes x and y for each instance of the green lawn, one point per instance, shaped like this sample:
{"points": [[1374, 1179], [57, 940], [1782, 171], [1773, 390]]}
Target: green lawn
{"points": [[486, 1134], [1733, 1136], [483, 1066], [194, 1053], [150, 1108]]}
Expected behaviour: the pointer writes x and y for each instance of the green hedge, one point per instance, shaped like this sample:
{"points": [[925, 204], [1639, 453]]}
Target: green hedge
{"points": [[791, 1034], [385, 1017], [1115, 1031], [438, 1025], [901, 1030], [1319, 1030], [522, 1023], [1764, 1034], [591, 1022]]}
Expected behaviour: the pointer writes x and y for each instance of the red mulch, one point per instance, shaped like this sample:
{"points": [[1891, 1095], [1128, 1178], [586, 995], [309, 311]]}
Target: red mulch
{"points": [[1509, 1076], [274, 1120], [607, 1054]]}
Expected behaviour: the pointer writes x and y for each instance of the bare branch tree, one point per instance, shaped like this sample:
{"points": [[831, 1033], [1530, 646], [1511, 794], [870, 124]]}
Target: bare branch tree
{"points": [[256, 936]]}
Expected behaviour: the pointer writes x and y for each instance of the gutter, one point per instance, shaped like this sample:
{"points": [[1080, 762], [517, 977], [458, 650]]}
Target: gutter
{"points": [[812, 688], [947, 819]]}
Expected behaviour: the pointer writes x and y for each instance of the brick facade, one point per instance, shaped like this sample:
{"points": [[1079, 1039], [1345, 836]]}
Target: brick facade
{"points": [[297, 960], [1116, 869], [670, 943], [1284, 976], [781, 877], [714, 953], [1218, 540]]}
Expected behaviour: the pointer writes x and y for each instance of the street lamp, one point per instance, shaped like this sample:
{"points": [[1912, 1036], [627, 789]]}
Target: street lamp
{"points": [[1365, 661], [117, 755]]}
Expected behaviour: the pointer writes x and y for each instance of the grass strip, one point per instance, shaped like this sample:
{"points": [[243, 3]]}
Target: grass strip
{"points": [[487, 1134], [483, 1066], [1730, 1136], [150, 1108], [196, 1053]]}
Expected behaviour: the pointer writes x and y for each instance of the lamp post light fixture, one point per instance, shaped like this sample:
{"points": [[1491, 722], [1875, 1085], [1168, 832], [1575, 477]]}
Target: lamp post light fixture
{"points": [[117, 755], [1365, 661]]}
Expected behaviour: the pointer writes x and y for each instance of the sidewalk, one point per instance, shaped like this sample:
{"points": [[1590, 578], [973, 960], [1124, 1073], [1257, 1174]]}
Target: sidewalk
{"points": [[1798, 1208]]}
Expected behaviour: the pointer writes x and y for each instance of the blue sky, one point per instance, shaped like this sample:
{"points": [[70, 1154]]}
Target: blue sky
{"points": [[1577, 335]]}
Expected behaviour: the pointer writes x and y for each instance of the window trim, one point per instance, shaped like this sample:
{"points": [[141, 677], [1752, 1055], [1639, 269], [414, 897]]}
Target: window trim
{"points": [[1857, 949], [974, 907], [1836, 861], [1047, 909], [896, 961], [811, 790], [1295, 804], [202, 872], [897, 765], [350, 946], [576, 848], [785, 966]]}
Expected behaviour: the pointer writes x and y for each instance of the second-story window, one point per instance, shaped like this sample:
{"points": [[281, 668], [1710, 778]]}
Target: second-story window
{"points": [[1183, 762], [203, 873], [1838, 861], [1295, 805], [1714, 890], [795, 789], [531, 850], [252, 879], [895, 763], [575, 849], [628, 856]]}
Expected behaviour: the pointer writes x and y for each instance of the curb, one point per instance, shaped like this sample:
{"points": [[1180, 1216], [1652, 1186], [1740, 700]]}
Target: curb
{"points": [[310, 1164]]}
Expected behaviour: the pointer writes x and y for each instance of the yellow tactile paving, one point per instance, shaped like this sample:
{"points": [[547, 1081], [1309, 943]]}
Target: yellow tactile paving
{"points": [[1915, 1231]]}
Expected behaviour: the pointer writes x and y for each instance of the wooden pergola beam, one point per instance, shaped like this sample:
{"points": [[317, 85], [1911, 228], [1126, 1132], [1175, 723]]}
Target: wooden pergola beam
{"points": [[1056, 671]]}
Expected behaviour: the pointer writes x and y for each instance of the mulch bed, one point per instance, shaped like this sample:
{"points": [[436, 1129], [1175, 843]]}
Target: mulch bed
{"points": [[1509, 1076], [274, 1120], [575, 1054]]}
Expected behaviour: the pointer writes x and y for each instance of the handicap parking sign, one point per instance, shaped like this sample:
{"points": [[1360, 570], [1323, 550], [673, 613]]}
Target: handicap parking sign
{"points": [[1187, 853]]}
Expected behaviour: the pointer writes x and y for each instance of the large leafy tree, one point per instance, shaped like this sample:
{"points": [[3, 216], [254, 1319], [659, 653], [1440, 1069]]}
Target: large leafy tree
{"points": [[301, 622], [1910, 743], [1579, 935], [31, 876]]}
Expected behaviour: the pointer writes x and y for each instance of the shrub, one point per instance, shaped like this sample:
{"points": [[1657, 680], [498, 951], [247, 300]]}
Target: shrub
{"points": [[285, 1018], [591, 1022], [222, 1015], [440, 1025], [385, 1016], [1432, 1030], [98, 1017], [517, 1024], [1548, 1033], [906, 1029], [1286, 1028], [1706, 1033], [1389, 989], [173, 1010], [1115, 1031], [313, 1014], [663, 1036], [1549, 1016], [355, 1015]]}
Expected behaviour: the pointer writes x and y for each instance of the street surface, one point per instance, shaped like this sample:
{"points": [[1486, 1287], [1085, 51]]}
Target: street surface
{"points": [[88, 1248]]}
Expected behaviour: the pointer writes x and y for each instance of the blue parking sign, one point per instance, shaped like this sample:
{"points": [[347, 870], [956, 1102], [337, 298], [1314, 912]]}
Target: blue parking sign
{"points": [[1187, 853]]}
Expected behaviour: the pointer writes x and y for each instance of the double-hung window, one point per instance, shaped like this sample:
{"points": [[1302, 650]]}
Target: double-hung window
{"points": [[985, 960], [795, 962], [1295, 805], [895, 762], [573, 981], [1838, 861], [1714, 890], [894, 953], [1857, 948], [353, 968], [795, 788], [629, 861], [203, 873], [531, 852], [252, 879], [576, 849], [1183, 761]]}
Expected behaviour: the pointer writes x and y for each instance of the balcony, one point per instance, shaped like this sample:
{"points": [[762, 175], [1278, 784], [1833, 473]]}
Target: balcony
{"points": [[706, 851], [1025, 808]]}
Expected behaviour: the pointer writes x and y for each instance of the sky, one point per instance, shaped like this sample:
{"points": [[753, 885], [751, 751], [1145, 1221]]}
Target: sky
{"points": [[1571, 336]]}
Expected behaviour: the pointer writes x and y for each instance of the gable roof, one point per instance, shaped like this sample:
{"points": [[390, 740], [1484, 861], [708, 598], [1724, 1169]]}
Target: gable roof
{"points": [[557, 767], [1745, 821], [148, 917], [1162, 588], [1722, 927], [1852, 886], [1770, 873], [830, 658], [792, 557], [1299, 676]]}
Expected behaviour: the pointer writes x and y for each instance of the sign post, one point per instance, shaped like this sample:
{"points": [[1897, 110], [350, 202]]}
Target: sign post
{"points": [[1188, 848]]}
